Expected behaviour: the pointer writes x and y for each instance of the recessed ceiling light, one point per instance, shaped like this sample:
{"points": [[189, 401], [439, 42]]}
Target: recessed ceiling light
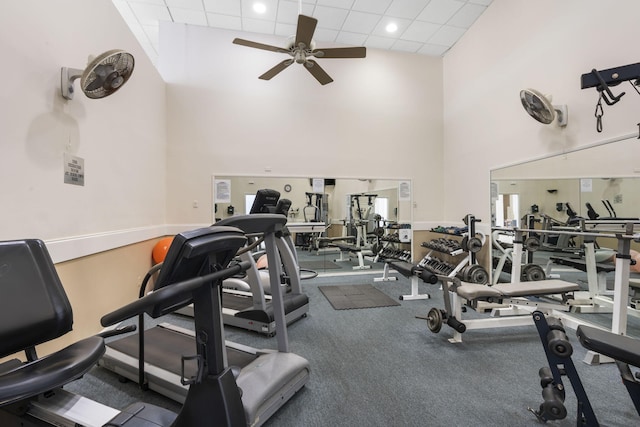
{"points": [[391, 28], [259, 8]]}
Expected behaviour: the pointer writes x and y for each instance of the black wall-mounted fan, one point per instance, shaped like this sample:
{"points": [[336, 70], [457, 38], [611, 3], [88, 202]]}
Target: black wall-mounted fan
{"points": [[302, 49], [540, 108], [103, 76]]}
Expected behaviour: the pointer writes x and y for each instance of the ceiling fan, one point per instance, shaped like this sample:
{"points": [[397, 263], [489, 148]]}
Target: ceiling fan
{"points": [[302, 49]]}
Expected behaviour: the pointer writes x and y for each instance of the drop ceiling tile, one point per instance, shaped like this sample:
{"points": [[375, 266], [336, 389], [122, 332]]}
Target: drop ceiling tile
{"points": [[358, 19], [188, 16], [153, 34], [343, 4], [380, 42], [186, 4], [150, 14], [288, 11], [258, 26], [420, 31], [351, 39], [360, 22], [224, 21], [406, 46], [467, 15], [447, 35], [381, 30], [285, 30], [371, 6], [325, 35], [440, 11], [408, 9], [330, 18], [126, 12], [433, 49], [224, 7], [270, 13]]}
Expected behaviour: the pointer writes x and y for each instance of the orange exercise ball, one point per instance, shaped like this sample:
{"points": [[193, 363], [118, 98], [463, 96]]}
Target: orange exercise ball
{"points": [[160, 249]]}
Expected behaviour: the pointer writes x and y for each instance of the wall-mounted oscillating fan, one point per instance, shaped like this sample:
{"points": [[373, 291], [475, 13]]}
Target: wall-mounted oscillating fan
{"points": [[540, 108], [102, 77], [302, 49]]}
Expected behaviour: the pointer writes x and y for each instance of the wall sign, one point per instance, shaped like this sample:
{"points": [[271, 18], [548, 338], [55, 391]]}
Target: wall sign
{"points": [[73, 170]]}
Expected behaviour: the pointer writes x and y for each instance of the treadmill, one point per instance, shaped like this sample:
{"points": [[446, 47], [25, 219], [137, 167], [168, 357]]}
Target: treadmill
{"points": [[160, 358], [253, 310]]}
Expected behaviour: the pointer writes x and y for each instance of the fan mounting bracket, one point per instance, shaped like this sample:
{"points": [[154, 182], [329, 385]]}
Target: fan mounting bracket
{"points": [[67, 77]]}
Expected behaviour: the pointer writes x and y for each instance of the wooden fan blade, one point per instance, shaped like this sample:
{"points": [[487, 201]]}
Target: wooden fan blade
{"points": [[262, 46], [317, 72], [275, 70], [341, 52], [305, 30]]}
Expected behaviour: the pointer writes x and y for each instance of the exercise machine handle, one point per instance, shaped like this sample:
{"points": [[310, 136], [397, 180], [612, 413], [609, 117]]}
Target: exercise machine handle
{"points": [[152, 303]]}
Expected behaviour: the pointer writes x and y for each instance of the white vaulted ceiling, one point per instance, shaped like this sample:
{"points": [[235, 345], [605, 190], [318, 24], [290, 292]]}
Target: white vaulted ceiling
{"points": [[426, 27]]}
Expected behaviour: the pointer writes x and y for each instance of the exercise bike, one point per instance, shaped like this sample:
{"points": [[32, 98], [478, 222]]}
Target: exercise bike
{"points": [[34, 309]]}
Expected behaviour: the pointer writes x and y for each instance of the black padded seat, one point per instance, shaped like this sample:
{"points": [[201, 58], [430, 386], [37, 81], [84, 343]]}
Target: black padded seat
{"points": [[34, 308], [49, 372], [618, 347]]}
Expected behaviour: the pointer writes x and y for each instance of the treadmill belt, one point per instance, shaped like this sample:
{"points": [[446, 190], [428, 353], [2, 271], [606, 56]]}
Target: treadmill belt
{"points": [[164, 348], [236, 302]]}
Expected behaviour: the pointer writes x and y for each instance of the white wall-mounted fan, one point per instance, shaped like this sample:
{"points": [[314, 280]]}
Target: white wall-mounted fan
{"points": [[103, 76], [540, 108]]}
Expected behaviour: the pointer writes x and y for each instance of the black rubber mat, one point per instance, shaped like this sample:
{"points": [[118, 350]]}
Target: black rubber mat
{"points": [[319, 265], [168, 347], [347, 297]]}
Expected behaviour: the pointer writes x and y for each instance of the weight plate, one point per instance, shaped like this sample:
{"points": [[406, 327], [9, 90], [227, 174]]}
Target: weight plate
{"points": [[434, 320], [477, 274], [531, 244], [532, 273], [474, 245]]}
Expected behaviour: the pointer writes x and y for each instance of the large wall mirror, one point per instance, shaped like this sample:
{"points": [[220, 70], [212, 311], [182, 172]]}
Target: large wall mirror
{"points": [[604, 176], [338, 204], [601, 181]]}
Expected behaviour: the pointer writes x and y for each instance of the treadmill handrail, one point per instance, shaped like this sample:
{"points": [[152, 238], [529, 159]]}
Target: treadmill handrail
{"points": [[255, 223], [176, 290]]}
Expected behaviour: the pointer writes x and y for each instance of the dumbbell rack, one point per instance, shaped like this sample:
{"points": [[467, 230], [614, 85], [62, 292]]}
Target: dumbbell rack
{"points": [[391, 250], [467, 268], [392, 240]]}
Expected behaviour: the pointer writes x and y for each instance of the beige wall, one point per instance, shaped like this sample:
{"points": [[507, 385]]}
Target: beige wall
{"points": [[121, 138], [380, 118], [545, 45]]}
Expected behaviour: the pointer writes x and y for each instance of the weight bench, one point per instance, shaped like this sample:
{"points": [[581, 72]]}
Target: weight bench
{"points": [[512, 303], [580, 264], [352, 249]]}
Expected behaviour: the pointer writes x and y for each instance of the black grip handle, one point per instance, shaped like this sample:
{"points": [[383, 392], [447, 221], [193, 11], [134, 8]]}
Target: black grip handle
{"points": [[456, 324], [169, 293]]}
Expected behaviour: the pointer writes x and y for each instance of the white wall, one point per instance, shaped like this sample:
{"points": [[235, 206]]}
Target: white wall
{"points": [[546, 45], [380, 118], [122, 138]]}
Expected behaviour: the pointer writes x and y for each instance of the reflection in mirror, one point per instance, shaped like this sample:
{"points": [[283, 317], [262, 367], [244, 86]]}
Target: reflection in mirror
{"points": [[339, 225], [558, 193]]}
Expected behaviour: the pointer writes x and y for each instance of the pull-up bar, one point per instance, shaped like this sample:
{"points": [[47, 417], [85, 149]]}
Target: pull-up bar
{"points": [[602, 80]]}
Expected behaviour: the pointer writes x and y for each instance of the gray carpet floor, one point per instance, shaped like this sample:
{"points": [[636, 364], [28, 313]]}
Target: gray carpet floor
{"points": [[383, 367]]}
